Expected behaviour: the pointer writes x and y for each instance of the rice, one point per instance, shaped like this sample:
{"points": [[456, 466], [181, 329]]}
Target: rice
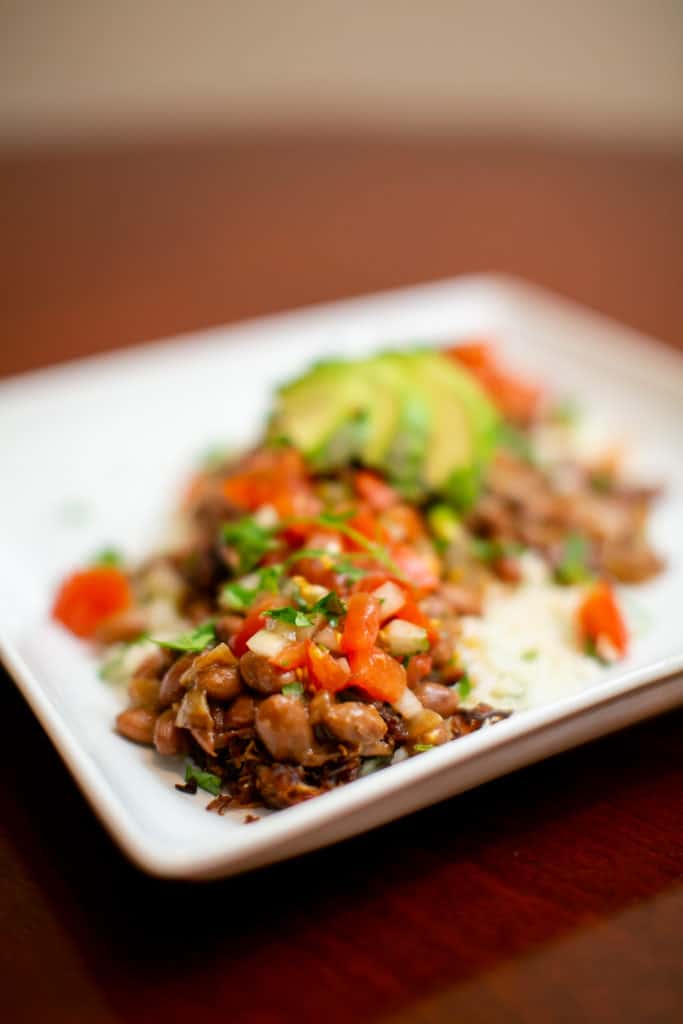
{"points": [[524, 650]]}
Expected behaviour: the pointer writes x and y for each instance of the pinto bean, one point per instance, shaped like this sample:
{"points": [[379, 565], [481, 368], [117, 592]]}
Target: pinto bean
{"points": [[168, 739], [258, 673], [436, 697], [221, 682], [143, 692], [171, 687], [428, 727], [241, 712], [137, 724], [359, 725], [283, 725], [122, 626], [227, 626], [281, 785], [155, 664]]}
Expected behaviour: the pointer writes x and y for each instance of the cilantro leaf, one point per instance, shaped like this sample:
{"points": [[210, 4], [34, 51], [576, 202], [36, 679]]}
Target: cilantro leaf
{"points": [[530, 655], [109, 557], [292, 616], [331, 606], [464, 687], [205, 780], [373, 764], [516, 441], [237, 597], [573, 567], [293, 689], [250, 540], [345, 567], [194, 641]]}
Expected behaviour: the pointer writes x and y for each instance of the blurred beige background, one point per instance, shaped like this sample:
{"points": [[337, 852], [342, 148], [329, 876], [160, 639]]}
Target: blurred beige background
{"points": [[605, 68]]}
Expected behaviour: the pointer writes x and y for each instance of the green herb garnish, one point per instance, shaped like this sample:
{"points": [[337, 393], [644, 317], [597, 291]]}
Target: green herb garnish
{"points": [[565, 413], [108, 557], [530, 655], [293, 689], [331, 606], [291, 616], [516, 441], [591, 650], [464, 687], [573, 567], [250, 540], [192, 642], [373, 764], [205, 780], [421, 747]]}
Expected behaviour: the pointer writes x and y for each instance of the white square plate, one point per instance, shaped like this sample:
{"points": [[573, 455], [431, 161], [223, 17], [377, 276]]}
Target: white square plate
{"points": [[94, 453]]}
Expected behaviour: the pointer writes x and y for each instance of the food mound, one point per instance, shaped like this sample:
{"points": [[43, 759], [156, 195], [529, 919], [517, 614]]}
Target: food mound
{"points": [[311, 623]]}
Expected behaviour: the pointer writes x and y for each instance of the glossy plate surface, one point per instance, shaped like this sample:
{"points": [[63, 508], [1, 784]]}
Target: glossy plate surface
{"points": [[95, 452]]}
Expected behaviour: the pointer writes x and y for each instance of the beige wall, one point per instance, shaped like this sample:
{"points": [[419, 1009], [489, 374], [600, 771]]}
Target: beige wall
{"points": [[612, 68]]}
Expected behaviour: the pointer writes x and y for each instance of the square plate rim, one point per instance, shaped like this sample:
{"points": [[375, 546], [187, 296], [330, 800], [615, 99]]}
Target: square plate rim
{"points": [[148, 852]]}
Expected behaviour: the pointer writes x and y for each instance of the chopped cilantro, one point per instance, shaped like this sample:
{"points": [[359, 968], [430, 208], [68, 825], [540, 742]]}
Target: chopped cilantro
{"points": [[215, 457], [345, 567], [373, 764], [293, 689], [109, 557], [565, 412], [339, 522], [421, 747], [591, 650], [463, 487], [464, 687], [530, 655], [205, 780], [250, 540], [331, 606], [572, 567], [237, 597], [193, 642], [487, 550], [516, 441], [292, 616]]}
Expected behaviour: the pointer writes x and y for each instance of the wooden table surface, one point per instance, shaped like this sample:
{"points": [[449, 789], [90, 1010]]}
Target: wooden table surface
{"points": [[555, 894]]}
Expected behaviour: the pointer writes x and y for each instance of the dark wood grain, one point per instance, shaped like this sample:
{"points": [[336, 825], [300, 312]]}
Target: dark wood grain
{"points": [[553, 894]]}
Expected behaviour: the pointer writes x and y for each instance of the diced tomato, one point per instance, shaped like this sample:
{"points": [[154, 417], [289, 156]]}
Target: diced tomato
{"points": [[518, 399], [292, 656], [254, 621], [419, 666], [362, 623], [378, 674], [89, 597], [371, 488], [366, 523], [421, 568], [412, 613], [276, 477], [403, 523], [326, 672], [599, 616]]}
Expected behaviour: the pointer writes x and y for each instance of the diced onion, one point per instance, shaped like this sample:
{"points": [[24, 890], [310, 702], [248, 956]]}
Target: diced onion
{"points": [[391, 599], [267, 643], [408, 704], [343, 663], [330, 638], [404, 638]]}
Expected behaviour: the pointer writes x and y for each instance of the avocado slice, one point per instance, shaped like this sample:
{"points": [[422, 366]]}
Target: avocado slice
{"points": [[313, 409], [463, 421], [416, 416]]}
